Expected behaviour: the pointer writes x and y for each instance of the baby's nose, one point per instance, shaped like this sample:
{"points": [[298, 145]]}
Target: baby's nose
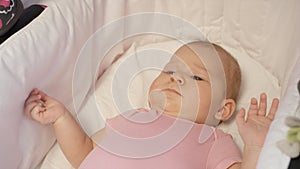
{"points": [[178, 78]]}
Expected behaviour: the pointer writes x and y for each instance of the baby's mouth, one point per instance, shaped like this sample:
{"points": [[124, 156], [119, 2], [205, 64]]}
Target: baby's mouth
{"points": [[171, 90]]}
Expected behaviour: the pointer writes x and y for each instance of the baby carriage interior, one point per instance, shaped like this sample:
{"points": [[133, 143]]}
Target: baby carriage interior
{"points": [[74, 50]]}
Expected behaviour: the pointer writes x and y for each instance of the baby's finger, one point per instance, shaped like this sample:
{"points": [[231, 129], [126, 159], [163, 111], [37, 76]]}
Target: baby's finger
{"points": [[44, 96], [32, 98], [273, 109], [36, 112], [253, 107], [262, 105], [29, 108], [240, 117], [34, 91]]}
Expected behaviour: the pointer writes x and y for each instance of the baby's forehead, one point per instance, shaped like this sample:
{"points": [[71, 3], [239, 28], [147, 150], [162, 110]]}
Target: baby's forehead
{"points": [[200, 55], [197, 55]]}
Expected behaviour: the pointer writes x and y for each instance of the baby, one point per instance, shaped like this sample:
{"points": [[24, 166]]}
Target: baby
{"points": [[193, 88]]}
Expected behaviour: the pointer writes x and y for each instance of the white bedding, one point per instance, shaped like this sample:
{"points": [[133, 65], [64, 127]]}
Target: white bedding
{"points": [[262, 35]]}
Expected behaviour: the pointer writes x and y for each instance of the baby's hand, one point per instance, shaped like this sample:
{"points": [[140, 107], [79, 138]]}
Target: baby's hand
{"points": [[254, 129], [43, 108]]}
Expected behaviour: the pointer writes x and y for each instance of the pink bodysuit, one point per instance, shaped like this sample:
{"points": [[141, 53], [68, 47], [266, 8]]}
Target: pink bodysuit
{"points": [[142, 139]]}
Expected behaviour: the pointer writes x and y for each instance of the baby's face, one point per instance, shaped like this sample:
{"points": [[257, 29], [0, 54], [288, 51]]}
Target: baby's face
{"points": [[183, 88]]}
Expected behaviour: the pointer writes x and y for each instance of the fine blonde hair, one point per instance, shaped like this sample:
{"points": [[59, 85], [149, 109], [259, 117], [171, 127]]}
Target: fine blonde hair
{"points": [[232, 72]]}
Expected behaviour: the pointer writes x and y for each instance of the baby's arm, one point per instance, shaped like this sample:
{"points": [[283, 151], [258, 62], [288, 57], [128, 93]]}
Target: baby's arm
{"points": [[254, 129], [73, 141]]}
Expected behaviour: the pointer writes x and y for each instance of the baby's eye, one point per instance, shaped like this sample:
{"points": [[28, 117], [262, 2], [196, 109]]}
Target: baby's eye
{"points": [[170, 72], [196, 78]]}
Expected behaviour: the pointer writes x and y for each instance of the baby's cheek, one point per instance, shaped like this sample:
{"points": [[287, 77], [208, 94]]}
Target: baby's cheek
{"points": [[155, 83]]}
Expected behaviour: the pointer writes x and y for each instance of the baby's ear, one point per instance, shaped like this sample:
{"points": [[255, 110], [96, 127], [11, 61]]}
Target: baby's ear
{"points": [[226, 111]]}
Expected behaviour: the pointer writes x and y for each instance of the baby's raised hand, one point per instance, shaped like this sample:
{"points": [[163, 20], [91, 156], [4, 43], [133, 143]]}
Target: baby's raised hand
{"points": [[43, 108], [254, 128]]}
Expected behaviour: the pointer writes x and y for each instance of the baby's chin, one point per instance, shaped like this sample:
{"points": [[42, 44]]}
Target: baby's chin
{"points": [[159, 101]]}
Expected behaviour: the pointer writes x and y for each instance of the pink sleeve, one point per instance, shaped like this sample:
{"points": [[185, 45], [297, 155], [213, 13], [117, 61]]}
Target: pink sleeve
{"points": [[224, 153]]}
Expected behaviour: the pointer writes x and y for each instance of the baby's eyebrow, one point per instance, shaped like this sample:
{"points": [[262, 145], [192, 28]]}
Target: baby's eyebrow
{"points": [[199, 68], [203, 70]]}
